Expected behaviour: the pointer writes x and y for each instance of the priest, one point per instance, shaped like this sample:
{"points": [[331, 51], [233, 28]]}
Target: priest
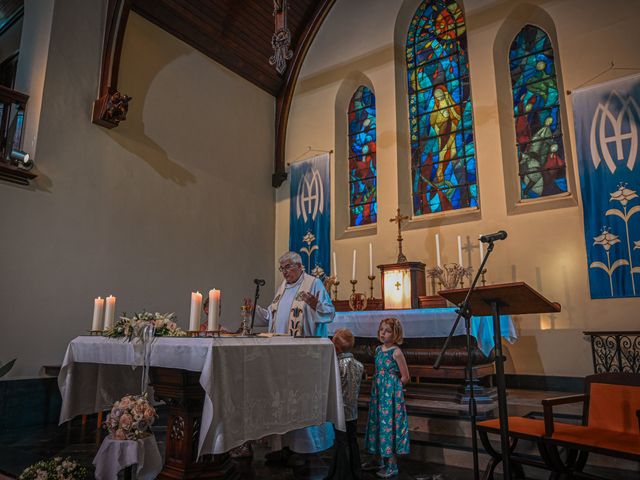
{"points": [[301, 307]]}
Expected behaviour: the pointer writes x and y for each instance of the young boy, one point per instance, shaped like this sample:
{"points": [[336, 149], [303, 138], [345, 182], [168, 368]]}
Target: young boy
{"points": [[346, 455]]}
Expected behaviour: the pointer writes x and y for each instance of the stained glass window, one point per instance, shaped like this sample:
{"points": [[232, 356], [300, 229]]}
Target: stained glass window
{"points": [[536, 110], [363, 203], [443, 160]]}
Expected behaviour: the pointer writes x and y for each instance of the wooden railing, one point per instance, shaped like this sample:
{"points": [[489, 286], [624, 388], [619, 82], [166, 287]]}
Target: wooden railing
{"points": [[615, 351]]}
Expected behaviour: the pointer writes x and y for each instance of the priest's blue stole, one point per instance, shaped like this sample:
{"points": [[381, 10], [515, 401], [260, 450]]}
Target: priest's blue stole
{"points": [[607, 124], [310, 214]]}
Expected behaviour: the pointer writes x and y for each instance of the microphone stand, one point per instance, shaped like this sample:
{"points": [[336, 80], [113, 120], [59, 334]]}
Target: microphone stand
{"points": [[464, 311], [255, 303]]}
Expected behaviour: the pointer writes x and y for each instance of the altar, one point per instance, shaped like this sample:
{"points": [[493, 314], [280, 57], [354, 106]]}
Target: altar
{"points": [[249, 387]]}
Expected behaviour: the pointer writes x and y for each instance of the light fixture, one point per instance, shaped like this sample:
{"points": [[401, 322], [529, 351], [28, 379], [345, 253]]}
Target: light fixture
{"points": [[281, 39], [21, 159], [402, 285]]}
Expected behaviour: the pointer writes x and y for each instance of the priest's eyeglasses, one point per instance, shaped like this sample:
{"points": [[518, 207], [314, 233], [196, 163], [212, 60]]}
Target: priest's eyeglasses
{"points": [[288, 266]]}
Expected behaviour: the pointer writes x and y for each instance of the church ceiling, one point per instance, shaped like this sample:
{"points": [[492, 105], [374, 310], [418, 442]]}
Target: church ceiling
{"points": [[234, 33]]}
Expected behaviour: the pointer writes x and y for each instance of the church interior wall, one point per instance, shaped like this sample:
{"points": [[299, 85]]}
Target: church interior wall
{"points": [[10, 40], [178, 198], [363, 39]]}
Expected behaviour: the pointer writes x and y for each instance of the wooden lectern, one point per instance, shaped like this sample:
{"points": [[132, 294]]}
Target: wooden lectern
{"points": [[516, 298]]}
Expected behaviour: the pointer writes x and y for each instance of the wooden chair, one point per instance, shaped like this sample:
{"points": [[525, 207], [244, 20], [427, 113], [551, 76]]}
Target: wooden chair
{"points": [[610, 423]]}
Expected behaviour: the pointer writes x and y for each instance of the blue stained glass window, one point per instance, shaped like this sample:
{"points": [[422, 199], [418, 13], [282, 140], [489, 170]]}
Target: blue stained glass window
{"points": [[443, 165], [363, 204], [536, 110]]}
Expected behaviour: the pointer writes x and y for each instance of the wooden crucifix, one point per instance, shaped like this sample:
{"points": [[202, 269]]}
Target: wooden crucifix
{"points": [[399, 218]]}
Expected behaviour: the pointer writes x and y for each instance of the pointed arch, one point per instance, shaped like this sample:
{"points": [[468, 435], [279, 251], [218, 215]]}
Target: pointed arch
{"points": [[443, 160]]}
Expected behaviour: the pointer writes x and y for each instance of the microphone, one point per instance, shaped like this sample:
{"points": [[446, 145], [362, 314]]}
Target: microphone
{"points": [[259, 281], [493, 237]]}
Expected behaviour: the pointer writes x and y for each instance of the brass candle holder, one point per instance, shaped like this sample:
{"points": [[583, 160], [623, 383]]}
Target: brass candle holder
{"points": [[96, 332], [354, 282], [335, 290], [371, 279], [482, 279], [193, 333]]}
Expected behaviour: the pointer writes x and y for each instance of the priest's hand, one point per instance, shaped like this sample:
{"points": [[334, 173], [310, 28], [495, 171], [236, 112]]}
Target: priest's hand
{"points": [[310, 299]]}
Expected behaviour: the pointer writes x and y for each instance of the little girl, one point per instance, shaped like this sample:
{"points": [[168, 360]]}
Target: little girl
{"points": [[388, 427]]}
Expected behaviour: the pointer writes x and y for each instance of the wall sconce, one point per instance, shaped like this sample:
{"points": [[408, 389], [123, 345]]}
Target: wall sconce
{"points": [[21, 159]]}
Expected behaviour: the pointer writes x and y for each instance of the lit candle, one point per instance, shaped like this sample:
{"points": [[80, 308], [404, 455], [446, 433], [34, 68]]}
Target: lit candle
{"points": [[370, 260], [459, 250], [109, 312], [481, 252], [196, 305], [438, 250], [353, 268], [335, 266], [213, 322], [98, 308]]}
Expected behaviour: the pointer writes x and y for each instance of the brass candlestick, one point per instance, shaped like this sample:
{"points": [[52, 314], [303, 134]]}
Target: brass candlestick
{"points": [[482, 279], [95, 332], [353, 285], [335, 290], [193, 333], [371, 279]]}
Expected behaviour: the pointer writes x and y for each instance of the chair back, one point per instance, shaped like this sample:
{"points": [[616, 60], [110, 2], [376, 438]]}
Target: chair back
{"points": [[613, 401]]}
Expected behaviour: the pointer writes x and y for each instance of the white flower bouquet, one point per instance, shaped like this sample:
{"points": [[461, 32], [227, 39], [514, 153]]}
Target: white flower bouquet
{"points": [[130, 418], [54, 469], [164, 325]]}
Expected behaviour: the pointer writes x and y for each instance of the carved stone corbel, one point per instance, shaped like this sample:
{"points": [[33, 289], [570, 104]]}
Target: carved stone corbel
{"points": [[112, 106]]}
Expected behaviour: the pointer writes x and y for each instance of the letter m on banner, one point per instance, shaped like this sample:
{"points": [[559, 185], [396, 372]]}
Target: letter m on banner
{"points": [[310, 213]]}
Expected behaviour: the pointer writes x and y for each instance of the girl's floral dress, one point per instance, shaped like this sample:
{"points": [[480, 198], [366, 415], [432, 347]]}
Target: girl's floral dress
{"points": [[388, 427]]}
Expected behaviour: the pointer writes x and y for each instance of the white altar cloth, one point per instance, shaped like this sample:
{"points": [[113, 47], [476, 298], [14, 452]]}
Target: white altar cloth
{"points": [[425, 322], [253, 386]]}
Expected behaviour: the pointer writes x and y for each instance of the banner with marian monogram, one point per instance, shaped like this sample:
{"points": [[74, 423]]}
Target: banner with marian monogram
{"points": [[607, 123], [310, 217]]}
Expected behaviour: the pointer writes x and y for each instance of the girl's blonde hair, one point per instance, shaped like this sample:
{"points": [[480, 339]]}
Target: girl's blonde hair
{"points": [[396, 329], [344, 338]]}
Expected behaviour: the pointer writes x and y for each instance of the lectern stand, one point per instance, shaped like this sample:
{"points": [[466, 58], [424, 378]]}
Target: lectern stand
{"points": [[505, 299]]}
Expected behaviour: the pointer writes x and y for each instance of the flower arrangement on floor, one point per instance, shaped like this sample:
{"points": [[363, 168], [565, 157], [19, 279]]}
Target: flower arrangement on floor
{"points": [[164, 325], [130, 418], [54, 469]]}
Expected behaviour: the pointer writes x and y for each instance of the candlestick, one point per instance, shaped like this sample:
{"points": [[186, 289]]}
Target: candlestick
{"points": [[438, 250], [335, 266], [460, 251], [371, 279], [109, 312], [482, 280], [335, 290], [194, 317], [98, 309], [353, 285], [353, 268], [213, 321]]}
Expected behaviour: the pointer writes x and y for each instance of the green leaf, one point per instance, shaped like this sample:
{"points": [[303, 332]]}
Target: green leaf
{"points": [[6, 367]]}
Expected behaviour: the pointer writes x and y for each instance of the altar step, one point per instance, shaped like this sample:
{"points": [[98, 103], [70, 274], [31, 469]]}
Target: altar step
{"points": [[440, 433]]}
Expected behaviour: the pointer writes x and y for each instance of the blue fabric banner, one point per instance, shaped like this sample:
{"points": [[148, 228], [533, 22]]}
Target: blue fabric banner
{"points": [[607, 121], [310, 217]]}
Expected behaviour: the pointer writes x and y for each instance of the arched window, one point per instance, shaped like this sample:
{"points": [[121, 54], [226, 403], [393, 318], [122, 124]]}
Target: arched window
{"points": [[536, 110], [363, 204], [443, 162]]}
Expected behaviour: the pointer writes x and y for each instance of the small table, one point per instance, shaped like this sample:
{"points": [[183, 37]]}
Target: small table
{"points": [[221, 391]]}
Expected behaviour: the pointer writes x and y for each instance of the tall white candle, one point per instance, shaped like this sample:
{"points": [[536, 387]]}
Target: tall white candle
{"points": [[335, 266], [353, 268], [370, 260], [481, 252], [459, 250], [98, 309], [109, 312], [194, 317], [213, 322], [438, 249]]}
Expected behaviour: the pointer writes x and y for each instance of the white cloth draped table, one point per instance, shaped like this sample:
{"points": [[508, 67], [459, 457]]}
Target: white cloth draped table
{"points": [[116, 455], [425, 322], [253, 386]]}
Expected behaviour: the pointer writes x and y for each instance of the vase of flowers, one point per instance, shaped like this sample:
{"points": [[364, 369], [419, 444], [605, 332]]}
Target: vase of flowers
{"points": [[130, 418], [162, 325], [54, 469]]}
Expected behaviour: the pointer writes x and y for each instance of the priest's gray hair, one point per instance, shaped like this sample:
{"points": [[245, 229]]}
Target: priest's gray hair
{"points": [[292, 257]]}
